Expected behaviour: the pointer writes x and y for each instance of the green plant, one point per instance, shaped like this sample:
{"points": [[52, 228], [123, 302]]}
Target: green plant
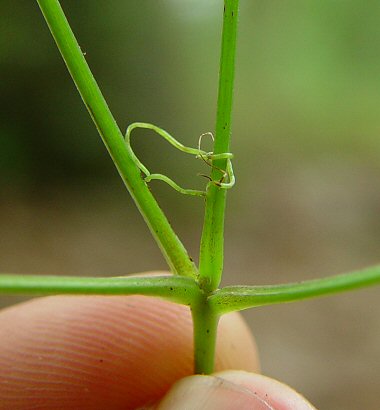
{"points": [[196, 287]]}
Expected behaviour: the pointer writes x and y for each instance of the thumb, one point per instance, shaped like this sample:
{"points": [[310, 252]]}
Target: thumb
{"points": [[231, 390]]}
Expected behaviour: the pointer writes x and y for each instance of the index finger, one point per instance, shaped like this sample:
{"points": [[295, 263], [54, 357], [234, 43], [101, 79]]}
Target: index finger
{"points": [[96, 352]]}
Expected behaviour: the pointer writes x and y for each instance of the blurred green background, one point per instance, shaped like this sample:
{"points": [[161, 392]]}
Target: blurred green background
{"points": [[306, 138]]}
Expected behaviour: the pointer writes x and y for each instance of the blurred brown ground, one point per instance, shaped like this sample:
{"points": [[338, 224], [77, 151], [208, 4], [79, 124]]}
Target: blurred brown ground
{"points": [[306, 139]]}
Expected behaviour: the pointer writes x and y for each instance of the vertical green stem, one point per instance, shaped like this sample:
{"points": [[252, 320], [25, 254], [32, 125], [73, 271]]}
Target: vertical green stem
{"points": [[170, 245], [205, 322], [211, 251]]}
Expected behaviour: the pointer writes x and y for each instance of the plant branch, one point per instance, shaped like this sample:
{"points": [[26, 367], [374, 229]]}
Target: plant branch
{"points": [[205, 322], [172, 248], [212, 242], [234, 298], [174, 288]]}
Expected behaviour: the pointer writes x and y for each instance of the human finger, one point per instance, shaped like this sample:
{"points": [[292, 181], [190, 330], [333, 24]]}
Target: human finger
{"points": [[96, 352]]}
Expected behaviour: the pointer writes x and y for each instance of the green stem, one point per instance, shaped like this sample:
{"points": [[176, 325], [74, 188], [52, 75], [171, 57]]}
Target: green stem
{"points": [[211, 250], [174, 288], [170, 245], [234, 298], [205, 323]]}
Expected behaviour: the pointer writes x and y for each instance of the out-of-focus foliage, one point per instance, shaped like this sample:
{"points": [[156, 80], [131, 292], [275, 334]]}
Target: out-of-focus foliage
{"points": [[307, 81]]}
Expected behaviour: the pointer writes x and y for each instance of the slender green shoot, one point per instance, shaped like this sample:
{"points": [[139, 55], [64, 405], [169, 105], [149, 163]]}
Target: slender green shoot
{"points": [[211, 250], [234, 298], [212, 241]]}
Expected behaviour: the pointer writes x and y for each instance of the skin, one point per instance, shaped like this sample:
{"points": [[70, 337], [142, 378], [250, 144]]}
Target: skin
{"points": [[126, 352]]}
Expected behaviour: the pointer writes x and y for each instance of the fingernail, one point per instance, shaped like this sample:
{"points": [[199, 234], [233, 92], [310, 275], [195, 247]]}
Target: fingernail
{"points": [[211, 393]]}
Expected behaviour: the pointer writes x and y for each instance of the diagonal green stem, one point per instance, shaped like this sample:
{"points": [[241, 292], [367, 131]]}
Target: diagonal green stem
{"points": [[174, 288], [234, 298], [212, 242], [172, 248]]}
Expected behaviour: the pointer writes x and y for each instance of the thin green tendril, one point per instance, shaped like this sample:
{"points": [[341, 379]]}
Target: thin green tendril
{"points": [[170, 182], [207, 157]]}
